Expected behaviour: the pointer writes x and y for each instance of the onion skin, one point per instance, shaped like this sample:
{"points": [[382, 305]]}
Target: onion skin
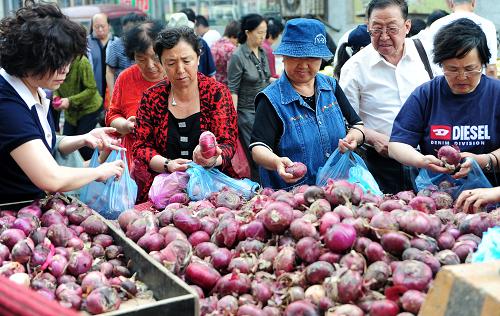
{"points": [[101, 300], [11, 236], [345, 310], [395, 243], [278, 217], [450, 155], [318, 271], [349, 287], [377, 274]]}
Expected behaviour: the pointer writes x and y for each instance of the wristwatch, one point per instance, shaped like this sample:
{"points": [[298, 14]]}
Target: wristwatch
{"points": [[165, 165]]}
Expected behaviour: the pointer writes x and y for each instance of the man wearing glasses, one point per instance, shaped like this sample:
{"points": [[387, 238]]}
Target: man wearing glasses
{"points": [[460, 108], [378, 80]]}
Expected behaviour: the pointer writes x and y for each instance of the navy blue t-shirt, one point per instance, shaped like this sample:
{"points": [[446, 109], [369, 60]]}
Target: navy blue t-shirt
{"points": [[18, 125], [433, 117]]}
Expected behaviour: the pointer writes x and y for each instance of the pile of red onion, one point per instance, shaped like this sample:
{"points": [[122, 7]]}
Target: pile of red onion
{"points": [[63, 252], [331, 250]]}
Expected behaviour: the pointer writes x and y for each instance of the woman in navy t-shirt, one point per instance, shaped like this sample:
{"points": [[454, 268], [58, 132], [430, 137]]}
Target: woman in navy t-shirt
{"points": [[37, 45], [460, 108]]}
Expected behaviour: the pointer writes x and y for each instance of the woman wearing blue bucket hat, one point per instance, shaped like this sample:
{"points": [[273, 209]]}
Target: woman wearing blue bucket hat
{"points": [[302, 116]]}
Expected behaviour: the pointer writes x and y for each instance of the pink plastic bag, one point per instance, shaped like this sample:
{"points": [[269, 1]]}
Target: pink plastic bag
{"points": [[240, 162], [166, 185]]}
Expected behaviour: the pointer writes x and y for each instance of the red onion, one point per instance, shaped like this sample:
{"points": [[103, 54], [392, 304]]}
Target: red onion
{"points": [[390, 205], [79, 262], [414, 222], [205, 249], [346, 310], [446, 241], [340, 237], [328, 220], [384, 220], [423, 204], [297, 169], [308, 249], [301, 227], [177, 254], [113, 251], [301, 308], [285, 260], [442, 200], [412, 274], [277, 217], [318, 271], [76, 215], [354, 261], [313, 193], [94, 280], [320, 207], [476, 224], [228, 305], [424, 243], [151, 241], [330, 257], [250, 310], [208, 144], [32, 209], [368, 210], [255, 230], [22, 250], [227, 198], [395, 243], [226, 233], [384, 308], [349, 287], [198, 237], [261, 291], [233, 283], [406, 196], [27, 224], [11, 236], [344, 212], [101, 300], [241, 264], [375, 252], [447, 257], [57, 265], [377, 274], [450, 155], [221, 258], [183, 220], [39, 235], [93, 225], [127, 217], [52, 217], [412, 300]]}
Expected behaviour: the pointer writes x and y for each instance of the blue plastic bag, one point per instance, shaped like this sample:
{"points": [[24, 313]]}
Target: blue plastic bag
{"points": [[202, 182], [489, 248], [112, 197], [475, 179], [348, 166]]}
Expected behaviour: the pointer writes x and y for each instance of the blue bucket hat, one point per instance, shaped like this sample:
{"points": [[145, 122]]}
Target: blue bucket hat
{"points": [[304, 38]]}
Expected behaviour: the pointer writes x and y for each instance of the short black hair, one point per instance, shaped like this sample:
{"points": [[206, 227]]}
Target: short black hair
{"points": [[274, 28], [141, 37], [201, 20], [457, 39], [39, 40], [171, 36], [435, 15], [382, 4], [232, 29], [132, 18], [417, 25], [249, 22], [189, 13]]}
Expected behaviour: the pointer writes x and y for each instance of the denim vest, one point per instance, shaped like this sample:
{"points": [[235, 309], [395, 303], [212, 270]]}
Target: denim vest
{"points": [[308, 136]]}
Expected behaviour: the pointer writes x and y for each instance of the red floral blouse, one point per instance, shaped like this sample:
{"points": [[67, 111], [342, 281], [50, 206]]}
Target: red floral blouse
{"points": [[217, 114]]}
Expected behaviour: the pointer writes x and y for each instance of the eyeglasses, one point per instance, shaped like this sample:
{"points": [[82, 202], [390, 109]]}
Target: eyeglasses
{"points": [[463, 72], [376, 32]]}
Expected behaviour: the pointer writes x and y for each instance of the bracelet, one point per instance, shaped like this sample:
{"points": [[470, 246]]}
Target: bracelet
{"points": [[165, 165], [362, 133], [496, 159]]}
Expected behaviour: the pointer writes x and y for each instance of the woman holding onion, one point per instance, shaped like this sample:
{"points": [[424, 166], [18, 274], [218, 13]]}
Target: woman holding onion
{"points": [[175, 112], [27, 135], [300, 117]]}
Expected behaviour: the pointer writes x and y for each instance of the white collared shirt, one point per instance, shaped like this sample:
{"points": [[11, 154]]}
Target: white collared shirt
{"points": [[41, 109], [377, 89]]}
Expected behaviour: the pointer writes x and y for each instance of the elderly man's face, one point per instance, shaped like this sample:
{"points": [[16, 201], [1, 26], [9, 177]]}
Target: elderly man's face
{"points": [[100, 27], [388, 31]]}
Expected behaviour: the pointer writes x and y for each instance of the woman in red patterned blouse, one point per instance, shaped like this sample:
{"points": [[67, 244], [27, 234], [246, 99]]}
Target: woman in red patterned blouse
{"points": [[133, 81], [174, 113]]}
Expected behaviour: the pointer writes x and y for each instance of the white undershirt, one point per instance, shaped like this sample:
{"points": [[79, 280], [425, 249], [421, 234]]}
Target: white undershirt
{"points": [[41, 109]]}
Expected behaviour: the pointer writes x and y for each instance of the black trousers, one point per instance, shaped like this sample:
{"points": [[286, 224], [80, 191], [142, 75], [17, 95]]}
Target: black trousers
{"points": [[391, 176]]}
